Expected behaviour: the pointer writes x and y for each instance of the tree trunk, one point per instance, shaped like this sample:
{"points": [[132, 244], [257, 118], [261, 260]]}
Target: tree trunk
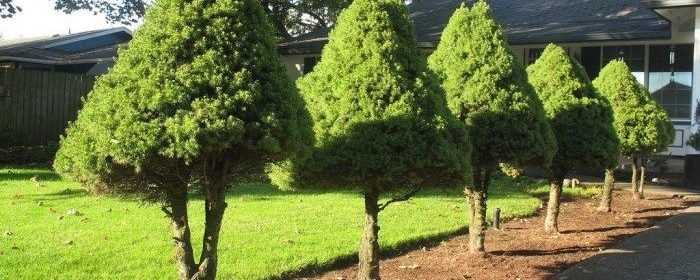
{"points": [[477, 223], [555, 188], [469, 195], [642, 177], [215, 204], [606, 198], [635, 175], [184, 257], [368, 268]]}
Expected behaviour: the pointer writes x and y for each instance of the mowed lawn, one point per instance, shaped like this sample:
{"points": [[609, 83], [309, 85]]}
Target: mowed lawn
{"points": [[53, 230]]}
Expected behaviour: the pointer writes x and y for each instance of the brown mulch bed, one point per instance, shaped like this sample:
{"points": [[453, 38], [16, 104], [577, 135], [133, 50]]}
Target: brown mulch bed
{"points": [[522, 250]]}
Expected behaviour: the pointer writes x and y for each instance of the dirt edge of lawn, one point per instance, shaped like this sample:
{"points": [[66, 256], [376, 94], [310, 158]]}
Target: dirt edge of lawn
{"points": [[521, 250]]}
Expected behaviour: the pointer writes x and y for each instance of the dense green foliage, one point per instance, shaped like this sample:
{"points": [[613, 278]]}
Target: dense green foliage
{"points": [[269, 235], [642, 126], [200, 83], [580, 117], [487, 88], [380, 118], [198, 99]]}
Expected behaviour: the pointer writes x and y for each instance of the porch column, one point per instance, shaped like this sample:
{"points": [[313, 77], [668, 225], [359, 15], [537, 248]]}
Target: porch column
{"points": [[696, 79]]}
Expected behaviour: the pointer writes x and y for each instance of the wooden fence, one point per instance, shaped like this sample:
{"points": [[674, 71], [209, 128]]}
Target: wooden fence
{"points": [[36, 106]]}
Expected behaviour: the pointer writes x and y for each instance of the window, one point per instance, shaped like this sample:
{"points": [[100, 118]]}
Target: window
{"points": [[671, 85], [632, 55], [590, 60], [533, 55], [309, 64]]}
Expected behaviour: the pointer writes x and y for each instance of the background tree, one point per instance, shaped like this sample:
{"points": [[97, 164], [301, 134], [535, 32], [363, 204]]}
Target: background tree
{"points": [[289, 17], [187, 106], [380, 119], [580, 118], [642, 126], [487, 89]]}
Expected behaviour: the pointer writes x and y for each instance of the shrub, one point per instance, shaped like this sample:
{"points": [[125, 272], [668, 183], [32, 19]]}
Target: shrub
{"points": [[380, 119], [580, 118], [198, 98], [487, 89], [642, 126]]}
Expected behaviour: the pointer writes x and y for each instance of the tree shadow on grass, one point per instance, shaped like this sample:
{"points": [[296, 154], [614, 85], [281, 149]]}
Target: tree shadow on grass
{"points": [[28, 174], [349, 260], [57, 195]]}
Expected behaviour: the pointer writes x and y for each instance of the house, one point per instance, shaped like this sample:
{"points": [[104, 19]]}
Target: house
{"points": [[656, 38], [42, 81], [90, 52]]}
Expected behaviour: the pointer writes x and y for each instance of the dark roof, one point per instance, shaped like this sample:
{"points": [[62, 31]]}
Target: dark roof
{"points": [[90, 46], [665, 4], [528, 22]]}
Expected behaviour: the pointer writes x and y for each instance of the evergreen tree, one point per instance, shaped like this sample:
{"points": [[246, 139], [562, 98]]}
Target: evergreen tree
{"points": [[643, 127], [487, 89], [380, 119], [199, 98], [580, 118]]}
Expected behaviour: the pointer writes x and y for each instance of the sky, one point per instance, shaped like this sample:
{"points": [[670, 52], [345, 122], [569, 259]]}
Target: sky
{"points": [[38, 18]]}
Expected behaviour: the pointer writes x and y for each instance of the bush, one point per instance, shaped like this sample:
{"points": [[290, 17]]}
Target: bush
{"points": [[487, 89], [199, 99], [380, 119], [581, 119]]}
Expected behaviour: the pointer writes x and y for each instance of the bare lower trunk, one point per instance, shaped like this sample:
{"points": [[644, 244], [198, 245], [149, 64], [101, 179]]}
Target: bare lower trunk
{"points": [[608, 188], [555, 188], [642, 177], [469, 195], [477, 206], [368, 267], [182, 252], [215, 206], [635, 176]]}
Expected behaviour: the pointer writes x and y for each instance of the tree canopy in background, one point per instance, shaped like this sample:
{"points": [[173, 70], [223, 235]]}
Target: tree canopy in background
{"points": [[289, 17]]}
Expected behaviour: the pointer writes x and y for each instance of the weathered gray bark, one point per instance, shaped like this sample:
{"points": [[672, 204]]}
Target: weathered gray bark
{"points": [[368, 267], [555, 188], [608, 188], [182, 252], [477, 207], [215, 206], [635, 176], [642, 177]]}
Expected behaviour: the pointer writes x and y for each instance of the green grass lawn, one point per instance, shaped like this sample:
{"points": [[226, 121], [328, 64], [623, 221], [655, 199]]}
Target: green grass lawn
{"points": [[266, 233]]}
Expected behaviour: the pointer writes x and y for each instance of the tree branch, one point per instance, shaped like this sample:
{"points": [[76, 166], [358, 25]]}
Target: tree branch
{"points": [[404, 197], [166, 211]]}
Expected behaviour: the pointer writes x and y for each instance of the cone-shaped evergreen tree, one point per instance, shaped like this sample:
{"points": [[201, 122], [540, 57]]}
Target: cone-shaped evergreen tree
{"points": [[380, 118], [487, 89], [642, 126], [580, 118], [199, 97]]}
